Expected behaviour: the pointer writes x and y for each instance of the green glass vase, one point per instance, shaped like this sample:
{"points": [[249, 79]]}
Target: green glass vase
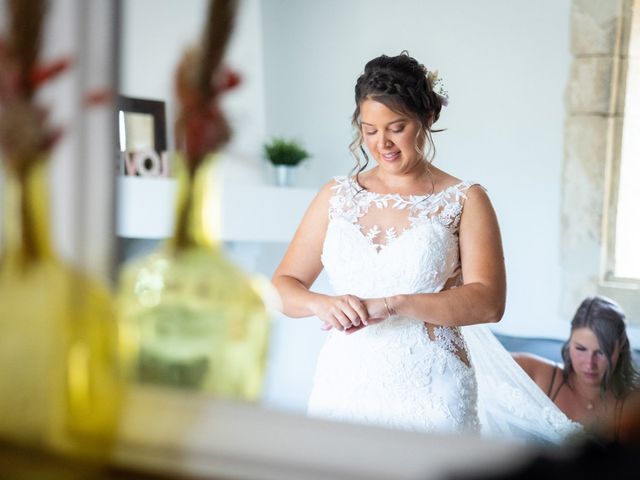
{"points": [[189, 317], [58, 355]]}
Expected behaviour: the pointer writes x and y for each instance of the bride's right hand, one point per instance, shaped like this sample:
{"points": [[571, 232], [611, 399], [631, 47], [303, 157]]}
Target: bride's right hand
{"points": [[340, 312]]}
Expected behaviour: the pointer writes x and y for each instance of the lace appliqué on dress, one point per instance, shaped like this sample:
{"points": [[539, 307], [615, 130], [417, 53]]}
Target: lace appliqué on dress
{"points": [[450, 339], [350, 202], [450, 215]]}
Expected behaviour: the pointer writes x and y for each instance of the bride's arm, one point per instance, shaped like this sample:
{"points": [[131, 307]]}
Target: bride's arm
{"points": [[482, 297], [301, 266]]}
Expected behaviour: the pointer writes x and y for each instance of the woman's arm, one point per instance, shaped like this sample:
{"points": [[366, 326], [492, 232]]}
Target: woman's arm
{"points": [[539, 369], [482, 297], [301, 266], [626, 426]]}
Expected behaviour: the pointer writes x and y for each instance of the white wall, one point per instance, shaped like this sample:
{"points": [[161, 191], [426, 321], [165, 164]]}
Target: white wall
{"points": [[505, 64]]}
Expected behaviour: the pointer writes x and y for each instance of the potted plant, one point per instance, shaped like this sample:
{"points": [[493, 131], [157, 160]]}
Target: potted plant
{"points": [[284, 155]]}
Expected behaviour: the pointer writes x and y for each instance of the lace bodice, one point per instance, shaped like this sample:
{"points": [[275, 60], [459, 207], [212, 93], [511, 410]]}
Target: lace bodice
{"points": [[423, 258], [415, 251]]}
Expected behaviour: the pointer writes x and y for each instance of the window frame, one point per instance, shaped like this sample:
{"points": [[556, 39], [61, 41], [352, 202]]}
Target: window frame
{"points": [[600, 33], [623, 289]]}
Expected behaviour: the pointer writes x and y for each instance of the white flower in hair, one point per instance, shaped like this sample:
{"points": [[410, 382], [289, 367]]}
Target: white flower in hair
{"points": [[435, 82]]}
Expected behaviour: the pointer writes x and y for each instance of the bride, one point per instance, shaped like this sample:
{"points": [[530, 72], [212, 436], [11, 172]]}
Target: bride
{"points": [[415, 257]]}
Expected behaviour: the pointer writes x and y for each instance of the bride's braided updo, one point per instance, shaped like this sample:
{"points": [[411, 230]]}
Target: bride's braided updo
{"points": [[401, 84]]}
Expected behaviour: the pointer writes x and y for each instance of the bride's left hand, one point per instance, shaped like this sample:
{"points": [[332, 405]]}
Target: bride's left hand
{"points": [[377, 313]]}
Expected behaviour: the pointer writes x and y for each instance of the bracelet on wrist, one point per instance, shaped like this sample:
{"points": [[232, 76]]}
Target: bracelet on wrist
{"points": [[389, 311]]}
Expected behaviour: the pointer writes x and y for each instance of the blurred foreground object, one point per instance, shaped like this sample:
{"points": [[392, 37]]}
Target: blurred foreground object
{"points": [[591, 461], [189, 317], [594, 459], [57, 327]]}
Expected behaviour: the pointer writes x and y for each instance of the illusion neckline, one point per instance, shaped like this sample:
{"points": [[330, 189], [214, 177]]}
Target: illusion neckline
{"points": [[359, 188], [379, 248]]}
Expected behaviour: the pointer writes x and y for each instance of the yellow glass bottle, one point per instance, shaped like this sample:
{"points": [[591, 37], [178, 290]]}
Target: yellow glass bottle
{"points": [[58, 358], [189, 317]]}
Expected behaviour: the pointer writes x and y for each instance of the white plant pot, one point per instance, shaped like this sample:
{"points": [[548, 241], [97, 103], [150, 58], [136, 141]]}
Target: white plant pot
{"points": [[284, 175]]}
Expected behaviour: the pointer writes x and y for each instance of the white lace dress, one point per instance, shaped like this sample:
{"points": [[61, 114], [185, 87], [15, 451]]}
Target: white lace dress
{"points": [[398, 373], [402, 373]]}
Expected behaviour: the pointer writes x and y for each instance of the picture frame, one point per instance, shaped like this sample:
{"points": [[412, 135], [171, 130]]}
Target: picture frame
{"points": [[142, 136]]}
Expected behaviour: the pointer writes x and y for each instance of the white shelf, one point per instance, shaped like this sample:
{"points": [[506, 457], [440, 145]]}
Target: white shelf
{"points": [[256, 213], [145, 207]]}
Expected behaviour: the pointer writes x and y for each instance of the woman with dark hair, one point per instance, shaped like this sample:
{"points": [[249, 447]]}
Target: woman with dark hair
{"points": [[598, 374], [391, 239], [413, 254]]}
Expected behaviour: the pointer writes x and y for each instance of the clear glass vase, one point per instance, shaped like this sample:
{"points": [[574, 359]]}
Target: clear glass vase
{"points": [[59, 381], [189, 317]]}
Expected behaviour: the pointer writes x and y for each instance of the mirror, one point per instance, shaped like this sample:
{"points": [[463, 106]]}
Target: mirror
{"points": [[504, 127]]}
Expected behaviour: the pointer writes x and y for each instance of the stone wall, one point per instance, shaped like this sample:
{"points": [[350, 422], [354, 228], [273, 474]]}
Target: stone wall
{"points": [[595, 107]]}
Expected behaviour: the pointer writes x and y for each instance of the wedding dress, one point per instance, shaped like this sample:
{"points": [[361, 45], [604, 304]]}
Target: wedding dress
{"points": [[401, 373]]}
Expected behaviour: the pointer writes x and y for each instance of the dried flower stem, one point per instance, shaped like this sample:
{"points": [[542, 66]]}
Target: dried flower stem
{"points": [[22, 130], [25, 36], [215, 38], [201, 127]]}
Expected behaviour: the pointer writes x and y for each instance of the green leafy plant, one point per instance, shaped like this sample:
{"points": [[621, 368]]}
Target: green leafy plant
{"points": [[285, 152]]}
